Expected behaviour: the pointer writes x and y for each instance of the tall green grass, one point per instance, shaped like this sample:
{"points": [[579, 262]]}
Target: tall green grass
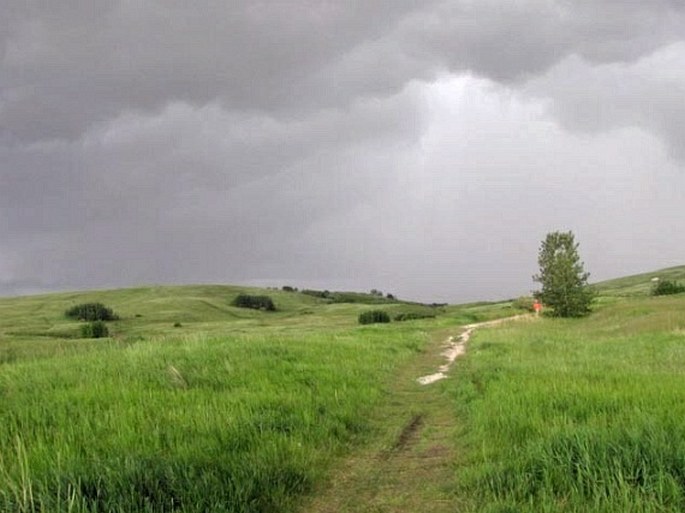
{"points": [[226, 424], [576, 416]]}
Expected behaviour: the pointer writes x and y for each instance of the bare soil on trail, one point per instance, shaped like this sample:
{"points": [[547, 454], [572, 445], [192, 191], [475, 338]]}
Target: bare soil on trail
{"points": [[456, 347]]}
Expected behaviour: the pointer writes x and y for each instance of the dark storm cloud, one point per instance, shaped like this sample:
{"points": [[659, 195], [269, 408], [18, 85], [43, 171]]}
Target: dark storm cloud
{"points": [[193, 194], [514, 40], [70, 64], [253, 140]]}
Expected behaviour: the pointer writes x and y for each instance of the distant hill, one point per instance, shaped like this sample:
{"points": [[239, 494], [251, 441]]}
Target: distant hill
{"points": [[638, 284], [175, 310]]}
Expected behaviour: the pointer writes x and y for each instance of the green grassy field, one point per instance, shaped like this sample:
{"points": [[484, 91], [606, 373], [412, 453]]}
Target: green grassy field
{"points": [[576, 416], [305, 410], [236, 410], [35, 326]]}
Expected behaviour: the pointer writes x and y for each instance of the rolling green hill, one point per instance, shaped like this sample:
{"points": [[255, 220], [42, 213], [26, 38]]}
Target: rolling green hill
{"points": [[235, 410], [638, 284], [32, 326], [194, 405]]}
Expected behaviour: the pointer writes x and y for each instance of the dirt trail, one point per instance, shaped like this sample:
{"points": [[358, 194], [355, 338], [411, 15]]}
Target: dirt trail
{"points": [[409, 466], [456, 348]]}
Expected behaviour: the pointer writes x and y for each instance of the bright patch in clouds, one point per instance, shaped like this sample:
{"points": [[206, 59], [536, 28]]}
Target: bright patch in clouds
{"points": [[420, 148]]}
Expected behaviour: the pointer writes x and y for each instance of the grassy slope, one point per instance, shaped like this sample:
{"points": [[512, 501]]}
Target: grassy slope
{"points": [[639, 284], [576, 416], [35, 325], [236, 411], [548, 416], [551, 416]]}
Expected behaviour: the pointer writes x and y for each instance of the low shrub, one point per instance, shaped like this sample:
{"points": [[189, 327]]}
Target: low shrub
{"points": [[411, 316], [91, 312], [524, 303], [178, 325], [254, 302], [373, 316], [95, 329], [667, 287]]}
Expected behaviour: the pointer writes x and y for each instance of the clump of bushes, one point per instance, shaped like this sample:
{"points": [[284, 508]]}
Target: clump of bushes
{"points": [[375, 297], [373, 316], [410, 316], [95, 329], [91, 312], [524, 303], [667, 287], [323, 294], [254, 302]]}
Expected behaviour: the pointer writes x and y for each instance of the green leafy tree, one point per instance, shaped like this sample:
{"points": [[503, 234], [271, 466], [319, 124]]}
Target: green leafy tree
{"points": [[563, 279]]}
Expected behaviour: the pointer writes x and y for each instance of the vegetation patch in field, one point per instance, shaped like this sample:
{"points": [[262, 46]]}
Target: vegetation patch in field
{"points": [[412, 316], [372, 298], [91, 312], [525, 303], [254, 302], [374, 317], [95, 329], [227, 424], [667, 287]]}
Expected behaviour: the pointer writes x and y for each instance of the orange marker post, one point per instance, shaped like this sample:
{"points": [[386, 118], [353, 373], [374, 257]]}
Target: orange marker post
{"points": [[537, 306]]}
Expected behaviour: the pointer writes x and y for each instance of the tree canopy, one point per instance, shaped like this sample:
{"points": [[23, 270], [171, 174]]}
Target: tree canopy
{"points": [[563, 277]]}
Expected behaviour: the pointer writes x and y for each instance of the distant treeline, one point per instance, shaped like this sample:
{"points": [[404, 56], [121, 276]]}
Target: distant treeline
{"points": [[370, 298], [373, 297]]}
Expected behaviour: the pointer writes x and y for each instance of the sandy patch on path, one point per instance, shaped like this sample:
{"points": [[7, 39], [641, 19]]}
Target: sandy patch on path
{"points": [[455, 348]]}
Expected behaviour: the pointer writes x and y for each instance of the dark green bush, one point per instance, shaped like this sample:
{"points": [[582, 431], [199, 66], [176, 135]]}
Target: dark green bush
{"points": [[254, 302], [91, 312], [373, 316], [95, 329], [410, 316], [667, 287]]}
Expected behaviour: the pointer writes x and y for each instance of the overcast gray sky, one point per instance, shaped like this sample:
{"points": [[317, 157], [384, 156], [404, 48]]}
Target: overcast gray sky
{"points": [[420, 147]]}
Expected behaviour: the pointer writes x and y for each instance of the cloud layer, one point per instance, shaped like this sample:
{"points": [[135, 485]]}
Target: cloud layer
{"points": [[421, 147]]}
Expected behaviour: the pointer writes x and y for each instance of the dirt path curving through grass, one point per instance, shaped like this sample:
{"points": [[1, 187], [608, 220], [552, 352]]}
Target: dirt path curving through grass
{"points": [[455, 348], [409, 465]]}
